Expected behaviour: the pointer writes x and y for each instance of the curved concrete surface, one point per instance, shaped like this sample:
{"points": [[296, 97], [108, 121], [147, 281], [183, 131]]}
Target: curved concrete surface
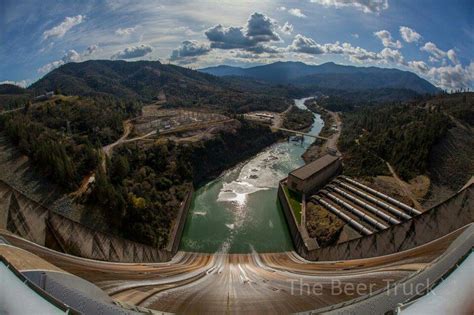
{"points": [[261, 283]]}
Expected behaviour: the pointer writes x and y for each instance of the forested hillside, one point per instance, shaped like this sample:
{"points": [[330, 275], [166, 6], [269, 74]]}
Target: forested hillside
{"points": [[410, 137], [330, 76], [62, 136], [145, 184], [149, 81]]}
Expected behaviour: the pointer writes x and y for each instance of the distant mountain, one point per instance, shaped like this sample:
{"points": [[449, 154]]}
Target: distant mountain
{"points": [[329, 75], [151, 80]]}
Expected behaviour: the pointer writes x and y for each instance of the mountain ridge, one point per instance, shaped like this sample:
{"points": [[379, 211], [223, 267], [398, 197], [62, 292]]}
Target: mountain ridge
{"points": [[353, 77]]}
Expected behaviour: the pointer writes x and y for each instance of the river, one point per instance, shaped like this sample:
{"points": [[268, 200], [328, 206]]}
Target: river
{"points": [[239, 212]]}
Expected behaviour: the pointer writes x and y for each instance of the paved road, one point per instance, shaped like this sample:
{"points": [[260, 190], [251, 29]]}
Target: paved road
{"points": [[217, 283], [331, 143]]}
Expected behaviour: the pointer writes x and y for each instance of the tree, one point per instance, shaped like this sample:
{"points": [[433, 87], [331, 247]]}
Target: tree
{"points": [[120, 168]]}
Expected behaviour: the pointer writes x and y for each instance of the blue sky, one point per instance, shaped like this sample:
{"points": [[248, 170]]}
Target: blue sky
{"points": [[433, 38]]}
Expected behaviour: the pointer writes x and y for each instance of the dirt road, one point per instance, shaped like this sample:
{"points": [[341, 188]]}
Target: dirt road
{"points": [[404, 186]]}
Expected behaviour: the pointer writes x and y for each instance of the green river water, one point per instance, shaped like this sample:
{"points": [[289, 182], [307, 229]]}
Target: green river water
{"points": [[239, 211]]}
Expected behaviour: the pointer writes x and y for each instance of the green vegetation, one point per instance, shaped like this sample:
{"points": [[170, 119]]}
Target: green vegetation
{"points": [[322, 224], [146, 80], [402, 135], [329, 76], [295, 199], [12, 96], [298, 119], [208, 159], [142, 191], [348, 100], [146, 183], [63, 136]]}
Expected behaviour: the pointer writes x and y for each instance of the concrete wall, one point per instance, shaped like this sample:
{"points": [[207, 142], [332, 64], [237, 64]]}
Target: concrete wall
{"points": [[446, 217], [177, 232], [32, 221], [442, 219], [82, 241], [295, 232], [21, 215]]}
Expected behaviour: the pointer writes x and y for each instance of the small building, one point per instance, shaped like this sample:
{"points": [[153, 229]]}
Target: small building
{"points": [[314, 175], [44, 97]]}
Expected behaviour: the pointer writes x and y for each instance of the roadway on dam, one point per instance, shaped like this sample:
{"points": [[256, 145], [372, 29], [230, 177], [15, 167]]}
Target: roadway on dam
{"points": [[239, 211]]}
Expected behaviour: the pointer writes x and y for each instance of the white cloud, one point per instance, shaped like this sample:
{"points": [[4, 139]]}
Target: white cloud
{"points": [[125, 31], [259, 29], [302, 44], [61, 29], [387, 39], [409, 35], [355, 35], [392, 56], [367, 6], [189, 49], [69, 56], [452, 56], [432, 49], [287, 28], [296, 12], [282, 8], [305, 45], [453, 77], [22, 83], [133, 52], [419, 66]]}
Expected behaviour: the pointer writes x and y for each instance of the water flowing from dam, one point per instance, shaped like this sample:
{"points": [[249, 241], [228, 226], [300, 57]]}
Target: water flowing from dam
{"points": [[239, 211]]}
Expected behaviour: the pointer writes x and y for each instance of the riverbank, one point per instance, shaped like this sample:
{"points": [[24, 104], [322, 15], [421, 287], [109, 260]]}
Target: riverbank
{"points": [[238, 212], [331, 130]]}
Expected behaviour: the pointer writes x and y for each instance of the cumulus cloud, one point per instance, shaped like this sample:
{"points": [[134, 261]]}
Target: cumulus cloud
{"points": [[419, 66], [287, 28], [61, 29], [409, 35], [452, 56], [302, 44], [367, 6], [228, 37], [259, 29], [189, 48], [387, 39], [453, 77], [69, 56], [305, 45], [125, 31], [432, 49], [296, 12], [392, 56], [282, 8], [133, 52]]}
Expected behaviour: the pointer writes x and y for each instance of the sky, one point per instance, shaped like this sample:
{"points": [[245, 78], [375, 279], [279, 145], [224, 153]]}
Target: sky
{"points": [[432, 38]]}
